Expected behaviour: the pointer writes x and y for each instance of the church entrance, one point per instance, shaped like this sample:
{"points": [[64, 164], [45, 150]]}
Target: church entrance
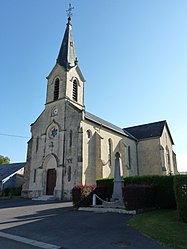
{"points": [[51, 181]]}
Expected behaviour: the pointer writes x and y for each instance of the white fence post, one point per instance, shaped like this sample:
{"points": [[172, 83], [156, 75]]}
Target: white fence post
{"points": [[94, 200]]}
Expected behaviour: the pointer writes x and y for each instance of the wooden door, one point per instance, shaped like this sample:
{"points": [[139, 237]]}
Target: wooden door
{"points": [[51, 181]]}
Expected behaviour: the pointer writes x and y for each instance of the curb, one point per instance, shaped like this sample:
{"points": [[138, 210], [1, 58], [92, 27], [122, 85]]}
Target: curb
{"points": [[107, 210]]}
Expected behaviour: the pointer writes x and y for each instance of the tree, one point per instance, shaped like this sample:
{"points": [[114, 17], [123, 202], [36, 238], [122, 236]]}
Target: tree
{"points": [[4, 160]]}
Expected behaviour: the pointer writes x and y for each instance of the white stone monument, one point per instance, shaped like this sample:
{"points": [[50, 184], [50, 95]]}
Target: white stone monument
{"points": [[118, 180]]}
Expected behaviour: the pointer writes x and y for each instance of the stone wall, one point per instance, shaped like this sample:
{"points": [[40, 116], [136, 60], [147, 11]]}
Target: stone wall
{"points": [[73, 150], [96, 163], [156, 156], [27, 171], [169, 161], [149, 158], [56, 137]]}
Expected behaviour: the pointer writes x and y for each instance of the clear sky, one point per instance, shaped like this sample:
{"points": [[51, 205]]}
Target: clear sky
{"points": [[132, 53]]}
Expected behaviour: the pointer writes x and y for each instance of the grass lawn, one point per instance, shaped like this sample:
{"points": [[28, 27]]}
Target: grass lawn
{"points": [[163, 226]]}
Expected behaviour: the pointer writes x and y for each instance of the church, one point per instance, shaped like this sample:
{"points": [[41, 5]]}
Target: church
{"points": [[70, 146]]}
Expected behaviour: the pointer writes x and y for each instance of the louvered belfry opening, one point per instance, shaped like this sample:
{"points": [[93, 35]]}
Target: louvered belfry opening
{"points": [[56, 89], [75, 90]]}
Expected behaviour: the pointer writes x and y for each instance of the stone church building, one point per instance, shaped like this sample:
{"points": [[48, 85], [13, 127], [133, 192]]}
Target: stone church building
{"points": [[71, 146]]}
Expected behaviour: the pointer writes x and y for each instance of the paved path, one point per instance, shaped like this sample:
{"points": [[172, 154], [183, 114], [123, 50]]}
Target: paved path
{"points": [[57, 225], [12, 244]]}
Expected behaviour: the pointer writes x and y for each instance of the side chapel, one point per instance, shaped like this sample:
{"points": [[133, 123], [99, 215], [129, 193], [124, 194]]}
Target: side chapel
{"points": [[71, 146]]}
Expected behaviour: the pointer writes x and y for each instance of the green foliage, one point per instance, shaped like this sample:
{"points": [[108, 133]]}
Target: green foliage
{"points": [[101, 192], [163, 226], [16, 191], [180, 187], [82, 195], [108, 184], [139, 196], [4, 160], [164, 197]]}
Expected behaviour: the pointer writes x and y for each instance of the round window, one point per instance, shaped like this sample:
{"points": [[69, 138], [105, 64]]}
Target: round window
{"points": [[53, 132]]}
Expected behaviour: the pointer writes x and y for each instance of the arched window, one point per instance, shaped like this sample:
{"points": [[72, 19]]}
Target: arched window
{"points": [[75, 90], [56, 89], [110, 152], [69, 173], [88, 134], [162, 155], [168, 160], [129, 157], [37, 143], [34, 177]]}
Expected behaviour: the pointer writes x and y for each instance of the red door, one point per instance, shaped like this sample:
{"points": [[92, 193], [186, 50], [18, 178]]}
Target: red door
{"points": [[51, 181]]}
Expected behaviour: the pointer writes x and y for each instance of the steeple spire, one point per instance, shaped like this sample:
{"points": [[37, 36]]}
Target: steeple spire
{"points": [[67, 57]]}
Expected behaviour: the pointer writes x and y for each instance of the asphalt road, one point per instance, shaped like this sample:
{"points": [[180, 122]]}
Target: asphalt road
{"points": [[12, 244], [59, 225]]}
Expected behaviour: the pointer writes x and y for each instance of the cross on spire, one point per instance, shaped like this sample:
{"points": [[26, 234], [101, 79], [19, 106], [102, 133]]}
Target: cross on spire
{"points": [[69, 11]]}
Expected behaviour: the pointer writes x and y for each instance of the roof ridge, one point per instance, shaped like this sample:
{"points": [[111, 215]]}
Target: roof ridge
{"points": [[146, 124], [107, 124], [13, 163]]}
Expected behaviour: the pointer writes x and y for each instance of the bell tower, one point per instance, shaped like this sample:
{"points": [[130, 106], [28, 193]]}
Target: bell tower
{"points": [[65, 81], [55, 147]]}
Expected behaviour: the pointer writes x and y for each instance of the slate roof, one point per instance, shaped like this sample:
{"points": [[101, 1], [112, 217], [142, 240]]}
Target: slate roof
{"points": [[151, 130], [9, 169], [67, 57], [106, 124]]}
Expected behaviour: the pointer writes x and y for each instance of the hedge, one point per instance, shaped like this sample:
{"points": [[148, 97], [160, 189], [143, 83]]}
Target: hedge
{"points": [[101, 192], [108, 184], [82, 195], [164, 196], [180, 188], [16, 191], [138, 196]]}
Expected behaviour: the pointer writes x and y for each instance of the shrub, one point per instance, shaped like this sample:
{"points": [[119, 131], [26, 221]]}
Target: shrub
{"points": [[82, 195], [108, 184], [138, 196], [16, 191], [180, 188], [102, 193], [164, 196]]}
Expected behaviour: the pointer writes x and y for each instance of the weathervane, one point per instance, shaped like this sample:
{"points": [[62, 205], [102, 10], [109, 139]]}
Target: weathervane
{"points": [[69, 11]]}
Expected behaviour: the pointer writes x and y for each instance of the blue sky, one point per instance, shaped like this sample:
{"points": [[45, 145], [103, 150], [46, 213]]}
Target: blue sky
{"points": [[133, 55]]}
